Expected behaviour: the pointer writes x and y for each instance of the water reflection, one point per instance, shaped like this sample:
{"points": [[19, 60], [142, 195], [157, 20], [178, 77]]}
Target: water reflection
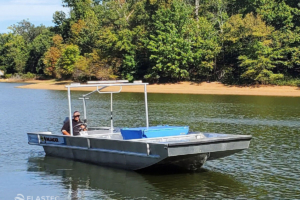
{"points": [[84, 180]]}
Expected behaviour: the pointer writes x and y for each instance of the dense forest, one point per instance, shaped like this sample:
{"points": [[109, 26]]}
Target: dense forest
{"points": [[232, 41]]}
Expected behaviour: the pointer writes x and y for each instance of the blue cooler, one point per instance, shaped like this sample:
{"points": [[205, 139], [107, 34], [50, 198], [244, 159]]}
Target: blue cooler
{"points": [[153, 132]]}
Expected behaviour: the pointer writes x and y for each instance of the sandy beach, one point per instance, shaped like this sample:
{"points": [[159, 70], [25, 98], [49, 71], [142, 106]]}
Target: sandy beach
{"points": [[180, 88]]}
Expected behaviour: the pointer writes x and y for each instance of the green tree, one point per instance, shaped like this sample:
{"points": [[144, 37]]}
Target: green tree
{"points": [[27, 30], [250, 40], [37, 48], [5, 62], [260, 65], [69, 56], [62, 25], [179, 45], [286, 47], [16, 54], [277, 13]]}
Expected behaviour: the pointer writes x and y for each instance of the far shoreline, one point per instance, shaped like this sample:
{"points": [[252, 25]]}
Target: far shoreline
{"points": [[213, 88]]}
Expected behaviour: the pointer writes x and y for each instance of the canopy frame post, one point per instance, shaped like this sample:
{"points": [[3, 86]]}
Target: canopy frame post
{"points": [[111, 113], [84, 109], [70, 111], [146, 106]]}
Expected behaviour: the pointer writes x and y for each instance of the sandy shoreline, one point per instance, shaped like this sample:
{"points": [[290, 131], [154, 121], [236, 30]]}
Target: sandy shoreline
{"points": [[181, 88]]}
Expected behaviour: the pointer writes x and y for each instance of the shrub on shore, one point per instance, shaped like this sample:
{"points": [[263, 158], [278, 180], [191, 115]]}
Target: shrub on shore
{"points": [[21, 77]]}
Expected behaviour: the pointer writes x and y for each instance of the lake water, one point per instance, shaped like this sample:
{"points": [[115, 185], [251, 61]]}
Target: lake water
{"points": [[269, 169]]}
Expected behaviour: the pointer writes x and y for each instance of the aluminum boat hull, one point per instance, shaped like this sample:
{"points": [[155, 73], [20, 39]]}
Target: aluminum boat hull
{"points": [[109, 149]]}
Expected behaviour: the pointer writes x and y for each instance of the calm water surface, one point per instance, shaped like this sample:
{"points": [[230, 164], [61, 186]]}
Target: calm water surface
{"points": [[270, 169]]}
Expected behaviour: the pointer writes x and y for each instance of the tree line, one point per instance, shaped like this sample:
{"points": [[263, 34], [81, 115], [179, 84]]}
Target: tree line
{"points": [[232, 41]]}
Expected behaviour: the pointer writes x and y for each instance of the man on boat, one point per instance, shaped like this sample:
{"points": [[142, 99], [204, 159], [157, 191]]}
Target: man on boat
{"points": [[76, 123]]}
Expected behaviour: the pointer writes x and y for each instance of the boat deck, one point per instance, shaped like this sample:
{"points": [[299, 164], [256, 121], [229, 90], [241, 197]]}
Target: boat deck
{"points": [[190, 138]]}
